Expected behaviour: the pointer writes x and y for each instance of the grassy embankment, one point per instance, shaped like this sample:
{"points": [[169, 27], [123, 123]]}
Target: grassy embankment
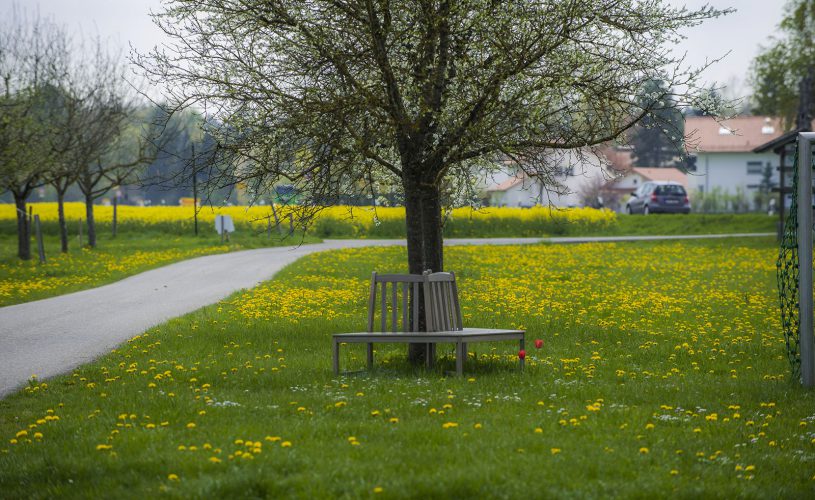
{"points": [[663, 372]]}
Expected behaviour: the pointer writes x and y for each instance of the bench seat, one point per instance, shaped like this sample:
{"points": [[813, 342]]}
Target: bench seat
{"points": [[460, 337]]}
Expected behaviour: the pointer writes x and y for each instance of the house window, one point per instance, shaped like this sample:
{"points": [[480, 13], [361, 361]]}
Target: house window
{"points": [[755, 167]]}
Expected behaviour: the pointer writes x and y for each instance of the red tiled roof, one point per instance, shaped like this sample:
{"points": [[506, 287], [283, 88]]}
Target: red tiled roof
{"points": [[739, 134], [509, 183], [662, 174], [651, 174]]}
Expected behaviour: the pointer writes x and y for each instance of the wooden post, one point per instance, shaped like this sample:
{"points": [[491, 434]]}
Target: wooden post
{"points": [[115, 206], [194, 189], [276, 219], [40, 244], [221, 222], [30, 222]]}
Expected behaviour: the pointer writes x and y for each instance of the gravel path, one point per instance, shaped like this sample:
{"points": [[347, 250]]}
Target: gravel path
{"points": [[52, 336]]}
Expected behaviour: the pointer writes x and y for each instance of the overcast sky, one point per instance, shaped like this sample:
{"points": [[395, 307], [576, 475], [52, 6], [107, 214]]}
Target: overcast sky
{"points": [[127, 22]]}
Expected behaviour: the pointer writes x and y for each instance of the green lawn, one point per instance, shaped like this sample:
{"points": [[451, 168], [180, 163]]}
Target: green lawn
{"points": [[663, 373], [692, 224], [129, 253]]}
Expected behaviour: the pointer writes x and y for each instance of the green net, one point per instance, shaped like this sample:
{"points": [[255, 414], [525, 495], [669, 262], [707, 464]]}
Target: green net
{"points": [[787, 277]]}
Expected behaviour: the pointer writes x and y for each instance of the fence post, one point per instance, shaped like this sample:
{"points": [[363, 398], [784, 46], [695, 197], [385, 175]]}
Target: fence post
{"points": [[806, 334], [115, 206], [30, 223], [40, 245], [276, 220], [194, 188]]}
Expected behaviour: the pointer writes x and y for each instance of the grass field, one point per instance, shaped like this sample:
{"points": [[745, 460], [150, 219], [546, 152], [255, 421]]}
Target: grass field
{"points": [[663, 373], [114, 258]]}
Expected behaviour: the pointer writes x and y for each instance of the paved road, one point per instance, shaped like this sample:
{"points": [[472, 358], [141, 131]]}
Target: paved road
{"points": [[52, 336]]}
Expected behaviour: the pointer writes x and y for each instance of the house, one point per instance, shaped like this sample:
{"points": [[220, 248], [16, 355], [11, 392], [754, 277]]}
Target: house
{"points": [[725, 161], [620, 157], [579, 175], [617, 191]]}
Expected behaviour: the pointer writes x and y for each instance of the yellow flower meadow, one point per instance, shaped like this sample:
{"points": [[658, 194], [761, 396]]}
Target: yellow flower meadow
{"points": [[359, 221]]}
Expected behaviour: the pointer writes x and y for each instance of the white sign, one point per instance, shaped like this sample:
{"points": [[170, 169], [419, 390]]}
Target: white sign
{"points": [[224, 223]]}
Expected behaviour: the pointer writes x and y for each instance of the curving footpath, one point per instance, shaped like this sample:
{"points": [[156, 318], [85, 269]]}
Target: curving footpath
{"points": [[52, 336]]}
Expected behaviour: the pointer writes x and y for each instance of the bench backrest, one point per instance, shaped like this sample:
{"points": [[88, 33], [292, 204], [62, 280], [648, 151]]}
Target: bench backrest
{"points": [[442, 308], [398, 303], [401, 293]]}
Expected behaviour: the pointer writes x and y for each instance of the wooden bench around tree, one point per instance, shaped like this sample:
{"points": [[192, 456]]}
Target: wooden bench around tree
{"points": [[398, 302]]}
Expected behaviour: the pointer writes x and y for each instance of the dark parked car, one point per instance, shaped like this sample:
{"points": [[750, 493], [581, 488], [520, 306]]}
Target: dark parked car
{"points": [[659, 197]]}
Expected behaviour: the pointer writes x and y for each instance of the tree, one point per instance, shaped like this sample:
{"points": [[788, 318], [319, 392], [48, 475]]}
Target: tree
{"points": [[117, 158], [783, 74], [329, 94], [33, 59], [658, 138], [88, 111]]}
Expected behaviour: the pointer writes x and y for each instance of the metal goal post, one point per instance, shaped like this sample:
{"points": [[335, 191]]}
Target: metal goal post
{"points": [[805, 297]]}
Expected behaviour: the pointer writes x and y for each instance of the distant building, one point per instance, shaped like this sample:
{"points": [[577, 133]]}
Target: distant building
{"points": [[725, 160], [577, 174], [620, 157]]}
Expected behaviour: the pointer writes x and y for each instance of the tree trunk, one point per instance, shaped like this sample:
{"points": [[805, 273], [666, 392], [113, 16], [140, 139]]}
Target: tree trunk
{"points": [[424, 243], [23, 231], [91, 221], [63, 226]]}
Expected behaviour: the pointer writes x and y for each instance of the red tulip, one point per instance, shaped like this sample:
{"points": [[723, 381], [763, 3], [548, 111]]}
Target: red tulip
{"points": [[538, 343], [522, 354]]}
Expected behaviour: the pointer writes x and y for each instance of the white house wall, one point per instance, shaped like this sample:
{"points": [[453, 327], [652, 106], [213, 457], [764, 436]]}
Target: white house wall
{"points": [[521, 195], [630, 181], [728, 171], [529, 193]]}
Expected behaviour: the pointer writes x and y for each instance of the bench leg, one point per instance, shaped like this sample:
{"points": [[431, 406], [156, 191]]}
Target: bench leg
{"points": [[464, 350], [370, 356], [430, 355], [336, 357], [522, 342], [459, 359]]}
